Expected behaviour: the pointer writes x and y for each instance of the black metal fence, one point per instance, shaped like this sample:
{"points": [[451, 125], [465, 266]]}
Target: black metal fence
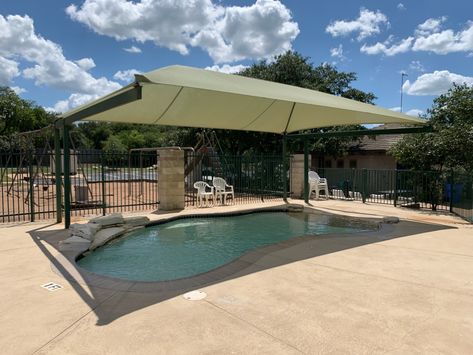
{"points": [[101, 183], [440, 191], [254, 178]]}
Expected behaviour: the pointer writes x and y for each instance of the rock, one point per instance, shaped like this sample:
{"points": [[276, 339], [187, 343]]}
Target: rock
{"points": [[87, 230], [390, 219], [74, 243], [295, 208], [107, 221], [136, 221], [105, 235]]}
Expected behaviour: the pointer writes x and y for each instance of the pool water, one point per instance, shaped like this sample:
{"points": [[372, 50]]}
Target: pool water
{"points": [[191, 246]]}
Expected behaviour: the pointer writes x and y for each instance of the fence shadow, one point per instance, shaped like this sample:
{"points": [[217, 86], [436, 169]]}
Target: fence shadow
{"points": [[111, 298]]}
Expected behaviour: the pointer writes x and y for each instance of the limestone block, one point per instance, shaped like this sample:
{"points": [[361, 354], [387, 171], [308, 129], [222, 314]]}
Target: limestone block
{"points": [[74, 243], [390, 219], [86, 230], [136, 221], [105, 235], [110, 220]]}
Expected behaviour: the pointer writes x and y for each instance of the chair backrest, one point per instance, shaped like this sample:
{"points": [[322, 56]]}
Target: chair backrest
{"points": [[219, 184], [200, 186], [313, 176]]}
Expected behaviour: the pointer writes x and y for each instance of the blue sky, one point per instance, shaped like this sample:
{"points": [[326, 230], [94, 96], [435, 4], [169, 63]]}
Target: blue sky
{"points": [[64, 53]]}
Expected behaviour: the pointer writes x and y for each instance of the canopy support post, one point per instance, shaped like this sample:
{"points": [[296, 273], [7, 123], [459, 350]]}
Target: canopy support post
{"points": [[57, 173], [67, 177], [284, 167], [306, 170]]}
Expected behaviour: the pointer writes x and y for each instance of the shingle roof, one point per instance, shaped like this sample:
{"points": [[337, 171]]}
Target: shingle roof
{"points": [[382, 142]]}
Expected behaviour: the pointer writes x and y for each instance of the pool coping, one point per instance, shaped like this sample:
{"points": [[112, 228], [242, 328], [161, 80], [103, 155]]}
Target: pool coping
{"points": [[75, 273]]}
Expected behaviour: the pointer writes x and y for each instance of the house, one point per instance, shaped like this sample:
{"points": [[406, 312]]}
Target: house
{"points": [[370, 153]]}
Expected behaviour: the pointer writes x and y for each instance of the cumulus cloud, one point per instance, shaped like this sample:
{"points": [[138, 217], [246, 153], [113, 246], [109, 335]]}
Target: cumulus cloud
{"points": [[19, 41], [132, 49], [416, 65], [337, 52], [428, 37], [8, 71], [126, 75], [412, 112], [228, 34], [388, 48], [367, 24], [401, 6], [228, 69], [436, 83], [18, 90]]}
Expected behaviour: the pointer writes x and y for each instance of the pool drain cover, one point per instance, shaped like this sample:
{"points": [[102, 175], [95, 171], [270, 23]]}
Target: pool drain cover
{"points": [[195, 295], [51, 286]]}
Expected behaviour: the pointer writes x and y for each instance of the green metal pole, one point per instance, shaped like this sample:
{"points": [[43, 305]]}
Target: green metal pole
{"points": [[306, 171], [396, 188], [284, 168], [102, 172], [57, 174], [31, 184], [452, 190], [67, 178]]}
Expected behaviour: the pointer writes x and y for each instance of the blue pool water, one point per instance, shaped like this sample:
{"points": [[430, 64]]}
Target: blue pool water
{"points": [[191, 246]]}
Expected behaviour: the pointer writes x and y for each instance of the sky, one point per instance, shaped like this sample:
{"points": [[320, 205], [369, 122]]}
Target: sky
{"points": [[62, 54]]}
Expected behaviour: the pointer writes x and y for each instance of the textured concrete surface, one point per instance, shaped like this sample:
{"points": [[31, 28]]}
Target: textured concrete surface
{"points": [[406, 290]]}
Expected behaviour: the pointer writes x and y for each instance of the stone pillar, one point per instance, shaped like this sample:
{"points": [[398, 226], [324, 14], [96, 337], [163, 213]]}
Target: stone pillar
{"points": [[297, 175], [171, 180]]}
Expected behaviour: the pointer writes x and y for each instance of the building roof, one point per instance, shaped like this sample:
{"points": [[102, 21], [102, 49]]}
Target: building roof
{"points": [[378, 143]]}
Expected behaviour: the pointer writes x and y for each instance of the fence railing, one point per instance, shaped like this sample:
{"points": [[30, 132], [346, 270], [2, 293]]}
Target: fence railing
{"points": [[254, 178], [439, 191]]}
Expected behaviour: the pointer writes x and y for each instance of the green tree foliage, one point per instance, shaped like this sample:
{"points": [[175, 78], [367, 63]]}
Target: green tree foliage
{"points": [[450, 146]]}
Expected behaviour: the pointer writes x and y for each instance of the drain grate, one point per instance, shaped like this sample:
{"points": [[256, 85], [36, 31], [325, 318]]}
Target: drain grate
{"points": [[195, 295], [51, 286]]}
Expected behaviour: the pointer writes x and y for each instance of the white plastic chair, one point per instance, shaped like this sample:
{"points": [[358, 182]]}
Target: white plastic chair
{"points": [[222, 190], [203, 194], [355, 195], [316, 183]]}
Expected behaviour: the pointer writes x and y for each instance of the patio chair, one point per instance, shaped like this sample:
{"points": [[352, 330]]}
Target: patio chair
{"points": [[222, 190], [316, 183], [203, 193]]}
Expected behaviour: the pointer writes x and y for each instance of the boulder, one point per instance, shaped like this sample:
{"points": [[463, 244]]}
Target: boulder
{"points": [[113, 219], [105, 235], [390, 219], [137, 221], [87, 230]]}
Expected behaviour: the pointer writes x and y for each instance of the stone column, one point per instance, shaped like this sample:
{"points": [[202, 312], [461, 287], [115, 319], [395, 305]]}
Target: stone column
{"points": [[171, 180], [297, 175]]}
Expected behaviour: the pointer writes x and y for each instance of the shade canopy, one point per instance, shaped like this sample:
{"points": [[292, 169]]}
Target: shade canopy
{"points": [[191, 97]]}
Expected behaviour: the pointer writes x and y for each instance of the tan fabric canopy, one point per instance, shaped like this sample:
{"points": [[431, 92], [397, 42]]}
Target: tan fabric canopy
{"points": [[191, 97]]}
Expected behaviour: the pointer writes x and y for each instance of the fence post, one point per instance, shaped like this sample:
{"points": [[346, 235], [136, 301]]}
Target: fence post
{"points": [[364, 184], [306, 171], [67, 177], [284, 168], [57, 174], [31, 184], [452, 190], [396, 187], [102, 174]]}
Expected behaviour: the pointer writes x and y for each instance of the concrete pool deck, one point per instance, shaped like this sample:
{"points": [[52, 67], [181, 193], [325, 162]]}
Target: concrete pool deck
{"points": [[408, 290]]}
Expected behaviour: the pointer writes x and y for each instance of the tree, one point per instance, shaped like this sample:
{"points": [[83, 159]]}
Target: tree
{"points": [[450, 146]]}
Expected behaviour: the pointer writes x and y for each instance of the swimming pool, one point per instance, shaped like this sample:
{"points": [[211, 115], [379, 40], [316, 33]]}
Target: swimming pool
{"points": [[190, 246]]}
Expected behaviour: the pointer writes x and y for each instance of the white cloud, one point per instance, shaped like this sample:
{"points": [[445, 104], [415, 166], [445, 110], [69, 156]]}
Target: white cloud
{"points": [[228, 69], [126, 75], [8, 71], [19, 41], [430, 26], [18, 90], [85, 63], [416, 65], [435, 83], [132, 49], [387, 47], [367, 24], [337, 52], [401, 6], [228, 34], [412, 112]]}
